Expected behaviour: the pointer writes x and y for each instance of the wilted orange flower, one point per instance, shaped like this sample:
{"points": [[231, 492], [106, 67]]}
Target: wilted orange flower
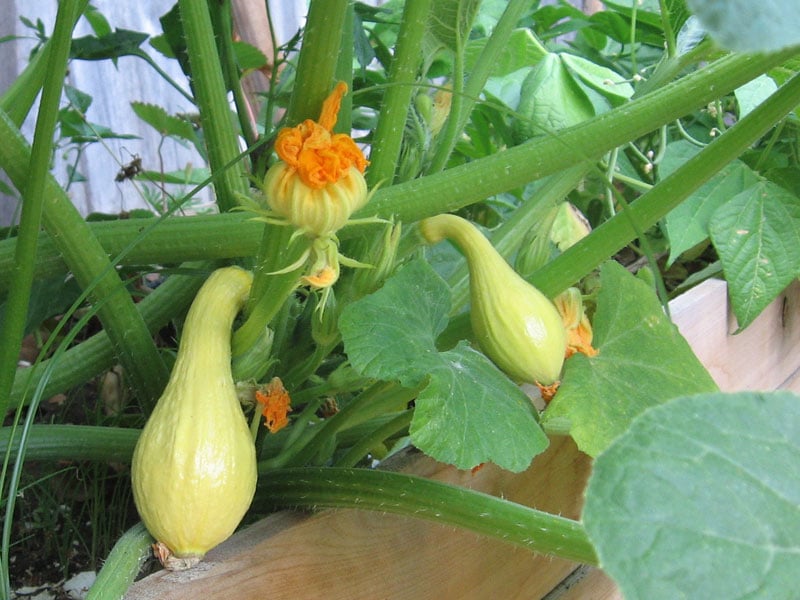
{"points": [[319, 155], [315, 186], [579, 329], [548, 392], [579, 339], [276, 404]]}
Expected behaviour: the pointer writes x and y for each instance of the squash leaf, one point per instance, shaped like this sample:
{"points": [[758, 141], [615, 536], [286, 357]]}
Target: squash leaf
{"points": [[747, 26], [757, 236], [451, 21], [688, 223], [550, 100], [698, 499], [467, 412], [643, 361]]}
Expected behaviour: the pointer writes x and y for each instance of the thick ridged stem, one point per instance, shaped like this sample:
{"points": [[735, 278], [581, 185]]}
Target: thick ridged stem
{"points": [[420, 498], [394, 108], [509, 169], [212, 100]]}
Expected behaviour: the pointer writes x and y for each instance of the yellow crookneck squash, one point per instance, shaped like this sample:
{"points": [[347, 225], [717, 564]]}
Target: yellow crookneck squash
{"points": [[194, 466]]}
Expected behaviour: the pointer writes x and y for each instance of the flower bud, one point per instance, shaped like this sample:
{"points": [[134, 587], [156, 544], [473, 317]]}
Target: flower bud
{"points": [[516, 325]]}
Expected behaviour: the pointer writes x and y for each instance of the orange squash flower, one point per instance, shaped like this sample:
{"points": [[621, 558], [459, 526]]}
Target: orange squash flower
{"points": [[315, 186], [579, 329], [276, 404], [318, 181], [320, 156]]}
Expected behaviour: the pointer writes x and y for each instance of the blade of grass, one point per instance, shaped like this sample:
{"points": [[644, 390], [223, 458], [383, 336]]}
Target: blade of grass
{"points": [[92, 269], [19, 458], [33, 190]]}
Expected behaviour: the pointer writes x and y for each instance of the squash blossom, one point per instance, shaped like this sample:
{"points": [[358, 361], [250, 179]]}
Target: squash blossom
{"points": [[315, 186], [516, 325], [275, 403], [579, 329]]}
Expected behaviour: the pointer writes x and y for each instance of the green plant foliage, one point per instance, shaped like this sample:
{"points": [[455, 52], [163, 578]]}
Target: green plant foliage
{"points": [[121, 42], [550, 100], [248, 57], [687, 225], [698, 499], [754, 93], [462, 106], [163, 122], [757, 235], [643, 361], [451, 21], [49, 298], [610, 84], [467, 412], [746, 26], [521, 51]]}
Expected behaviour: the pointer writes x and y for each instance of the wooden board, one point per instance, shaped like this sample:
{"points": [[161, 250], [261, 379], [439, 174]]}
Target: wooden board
{"points": [[350, 554], [358, 554], [762, 357]]}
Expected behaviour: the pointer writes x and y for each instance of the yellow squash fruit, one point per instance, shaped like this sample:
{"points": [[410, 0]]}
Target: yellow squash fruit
{"points": [[194, 466], [516, 325]]}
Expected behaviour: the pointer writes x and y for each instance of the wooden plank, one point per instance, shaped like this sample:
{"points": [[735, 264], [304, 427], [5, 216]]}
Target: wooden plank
{"points": [[585, 583], [348, 554], [762, 357]]}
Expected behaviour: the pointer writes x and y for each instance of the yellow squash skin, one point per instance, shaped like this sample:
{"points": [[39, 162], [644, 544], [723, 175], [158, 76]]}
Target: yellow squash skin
{"points": [[516, 325], [194, 466]]}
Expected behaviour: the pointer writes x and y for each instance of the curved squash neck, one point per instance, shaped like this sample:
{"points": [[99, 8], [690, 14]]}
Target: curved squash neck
{"points": [[482, 257], [205, 346]]}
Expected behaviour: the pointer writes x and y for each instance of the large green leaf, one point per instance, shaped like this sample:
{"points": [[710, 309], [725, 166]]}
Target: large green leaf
{"points": [[754, 92], [603, 80], [520, 51], [687, 224], [550, 100], [699, 499], [643, 361], [757, 236], [468, 412], [451, 21], [121, 42], [750, 26]]}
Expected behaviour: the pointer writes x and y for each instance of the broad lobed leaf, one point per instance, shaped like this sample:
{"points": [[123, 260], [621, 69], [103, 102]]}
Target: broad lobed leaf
{"points": [[687, 225], [643, 361], [757, 236], [467, 411], [699, 499], [747, 26]]}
